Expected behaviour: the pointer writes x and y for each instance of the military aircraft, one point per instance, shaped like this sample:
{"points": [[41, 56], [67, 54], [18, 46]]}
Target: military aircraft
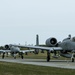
{"points": [[14, 50], [66, 48]]}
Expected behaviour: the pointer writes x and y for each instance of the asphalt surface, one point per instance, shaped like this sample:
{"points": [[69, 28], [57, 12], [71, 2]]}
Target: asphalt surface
{"points": [[42, 62]]}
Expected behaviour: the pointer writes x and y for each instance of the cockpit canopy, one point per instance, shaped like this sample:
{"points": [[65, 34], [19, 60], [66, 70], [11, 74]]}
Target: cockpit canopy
{"points": [[73, 39]]}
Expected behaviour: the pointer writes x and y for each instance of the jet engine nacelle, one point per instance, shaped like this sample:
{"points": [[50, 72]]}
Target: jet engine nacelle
{"points": [[51, 42], [7, 47]]}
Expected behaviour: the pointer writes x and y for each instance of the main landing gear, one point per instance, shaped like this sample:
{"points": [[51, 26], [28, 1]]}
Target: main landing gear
{"points": [[48, 56], [22, 55], [3, 55]]}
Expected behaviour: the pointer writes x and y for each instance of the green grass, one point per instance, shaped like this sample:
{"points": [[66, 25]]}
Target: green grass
{"points": [[23, 69]]}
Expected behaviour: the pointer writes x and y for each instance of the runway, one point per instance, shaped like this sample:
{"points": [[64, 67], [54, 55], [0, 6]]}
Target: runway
{"points": [[42, 62]]}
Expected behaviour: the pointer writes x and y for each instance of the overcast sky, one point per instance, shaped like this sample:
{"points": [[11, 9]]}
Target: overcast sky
{"points": [[21, 20]]}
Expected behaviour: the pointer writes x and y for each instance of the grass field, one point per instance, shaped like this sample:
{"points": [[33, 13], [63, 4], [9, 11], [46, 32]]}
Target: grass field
{"points": [[23, 69]]}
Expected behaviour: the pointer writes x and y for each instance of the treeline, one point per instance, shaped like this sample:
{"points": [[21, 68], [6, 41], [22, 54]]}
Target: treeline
{"points": [[1, 47]]}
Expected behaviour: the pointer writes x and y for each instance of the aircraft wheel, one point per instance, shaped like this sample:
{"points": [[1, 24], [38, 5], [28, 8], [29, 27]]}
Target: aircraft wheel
{"points": [[48, 58], [3, 55], [22, 57], [72, 59]]}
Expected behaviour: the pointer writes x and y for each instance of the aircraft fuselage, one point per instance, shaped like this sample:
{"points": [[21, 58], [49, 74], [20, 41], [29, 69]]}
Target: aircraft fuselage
{"points": [[67, 45]]}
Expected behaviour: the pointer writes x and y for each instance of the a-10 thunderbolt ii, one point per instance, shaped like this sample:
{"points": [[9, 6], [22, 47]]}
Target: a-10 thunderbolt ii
{"points": [[13, 51], [66, 48]]}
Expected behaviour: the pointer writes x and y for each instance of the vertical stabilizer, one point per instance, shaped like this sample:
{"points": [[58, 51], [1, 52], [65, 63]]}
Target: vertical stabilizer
{"points": [[37, 44], [37, 40]]}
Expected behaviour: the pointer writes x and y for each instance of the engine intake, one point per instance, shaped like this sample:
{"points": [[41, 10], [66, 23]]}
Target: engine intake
{"points": [[51, 42], [7, 47]]}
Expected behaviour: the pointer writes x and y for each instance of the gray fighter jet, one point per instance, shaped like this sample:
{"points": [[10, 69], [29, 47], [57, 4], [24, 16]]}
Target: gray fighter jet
{"points": [[66, 48], [14, 50]]}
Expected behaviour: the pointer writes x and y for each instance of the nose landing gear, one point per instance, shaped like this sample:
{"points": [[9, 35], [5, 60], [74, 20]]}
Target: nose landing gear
{"points": [[72, 58]]}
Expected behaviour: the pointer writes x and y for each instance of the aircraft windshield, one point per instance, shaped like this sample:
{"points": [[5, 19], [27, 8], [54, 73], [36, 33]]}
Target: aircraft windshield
{"points": [[73, 39]]}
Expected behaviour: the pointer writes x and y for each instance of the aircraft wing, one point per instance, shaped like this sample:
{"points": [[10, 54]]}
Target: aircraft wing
{"points": [[40, 47], [4, 51], [26, 51]]}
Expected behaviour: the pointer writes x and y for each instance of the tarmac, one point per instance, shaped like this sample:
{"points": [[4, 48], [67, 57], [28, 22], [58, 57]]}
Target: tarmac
{"points": [[42, 62]]}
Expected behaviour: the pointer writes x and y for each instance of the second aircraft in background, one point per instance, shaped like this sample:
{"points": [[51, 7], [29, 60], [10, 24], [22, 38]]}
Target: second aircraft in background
{"points": [[13, 51]]}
